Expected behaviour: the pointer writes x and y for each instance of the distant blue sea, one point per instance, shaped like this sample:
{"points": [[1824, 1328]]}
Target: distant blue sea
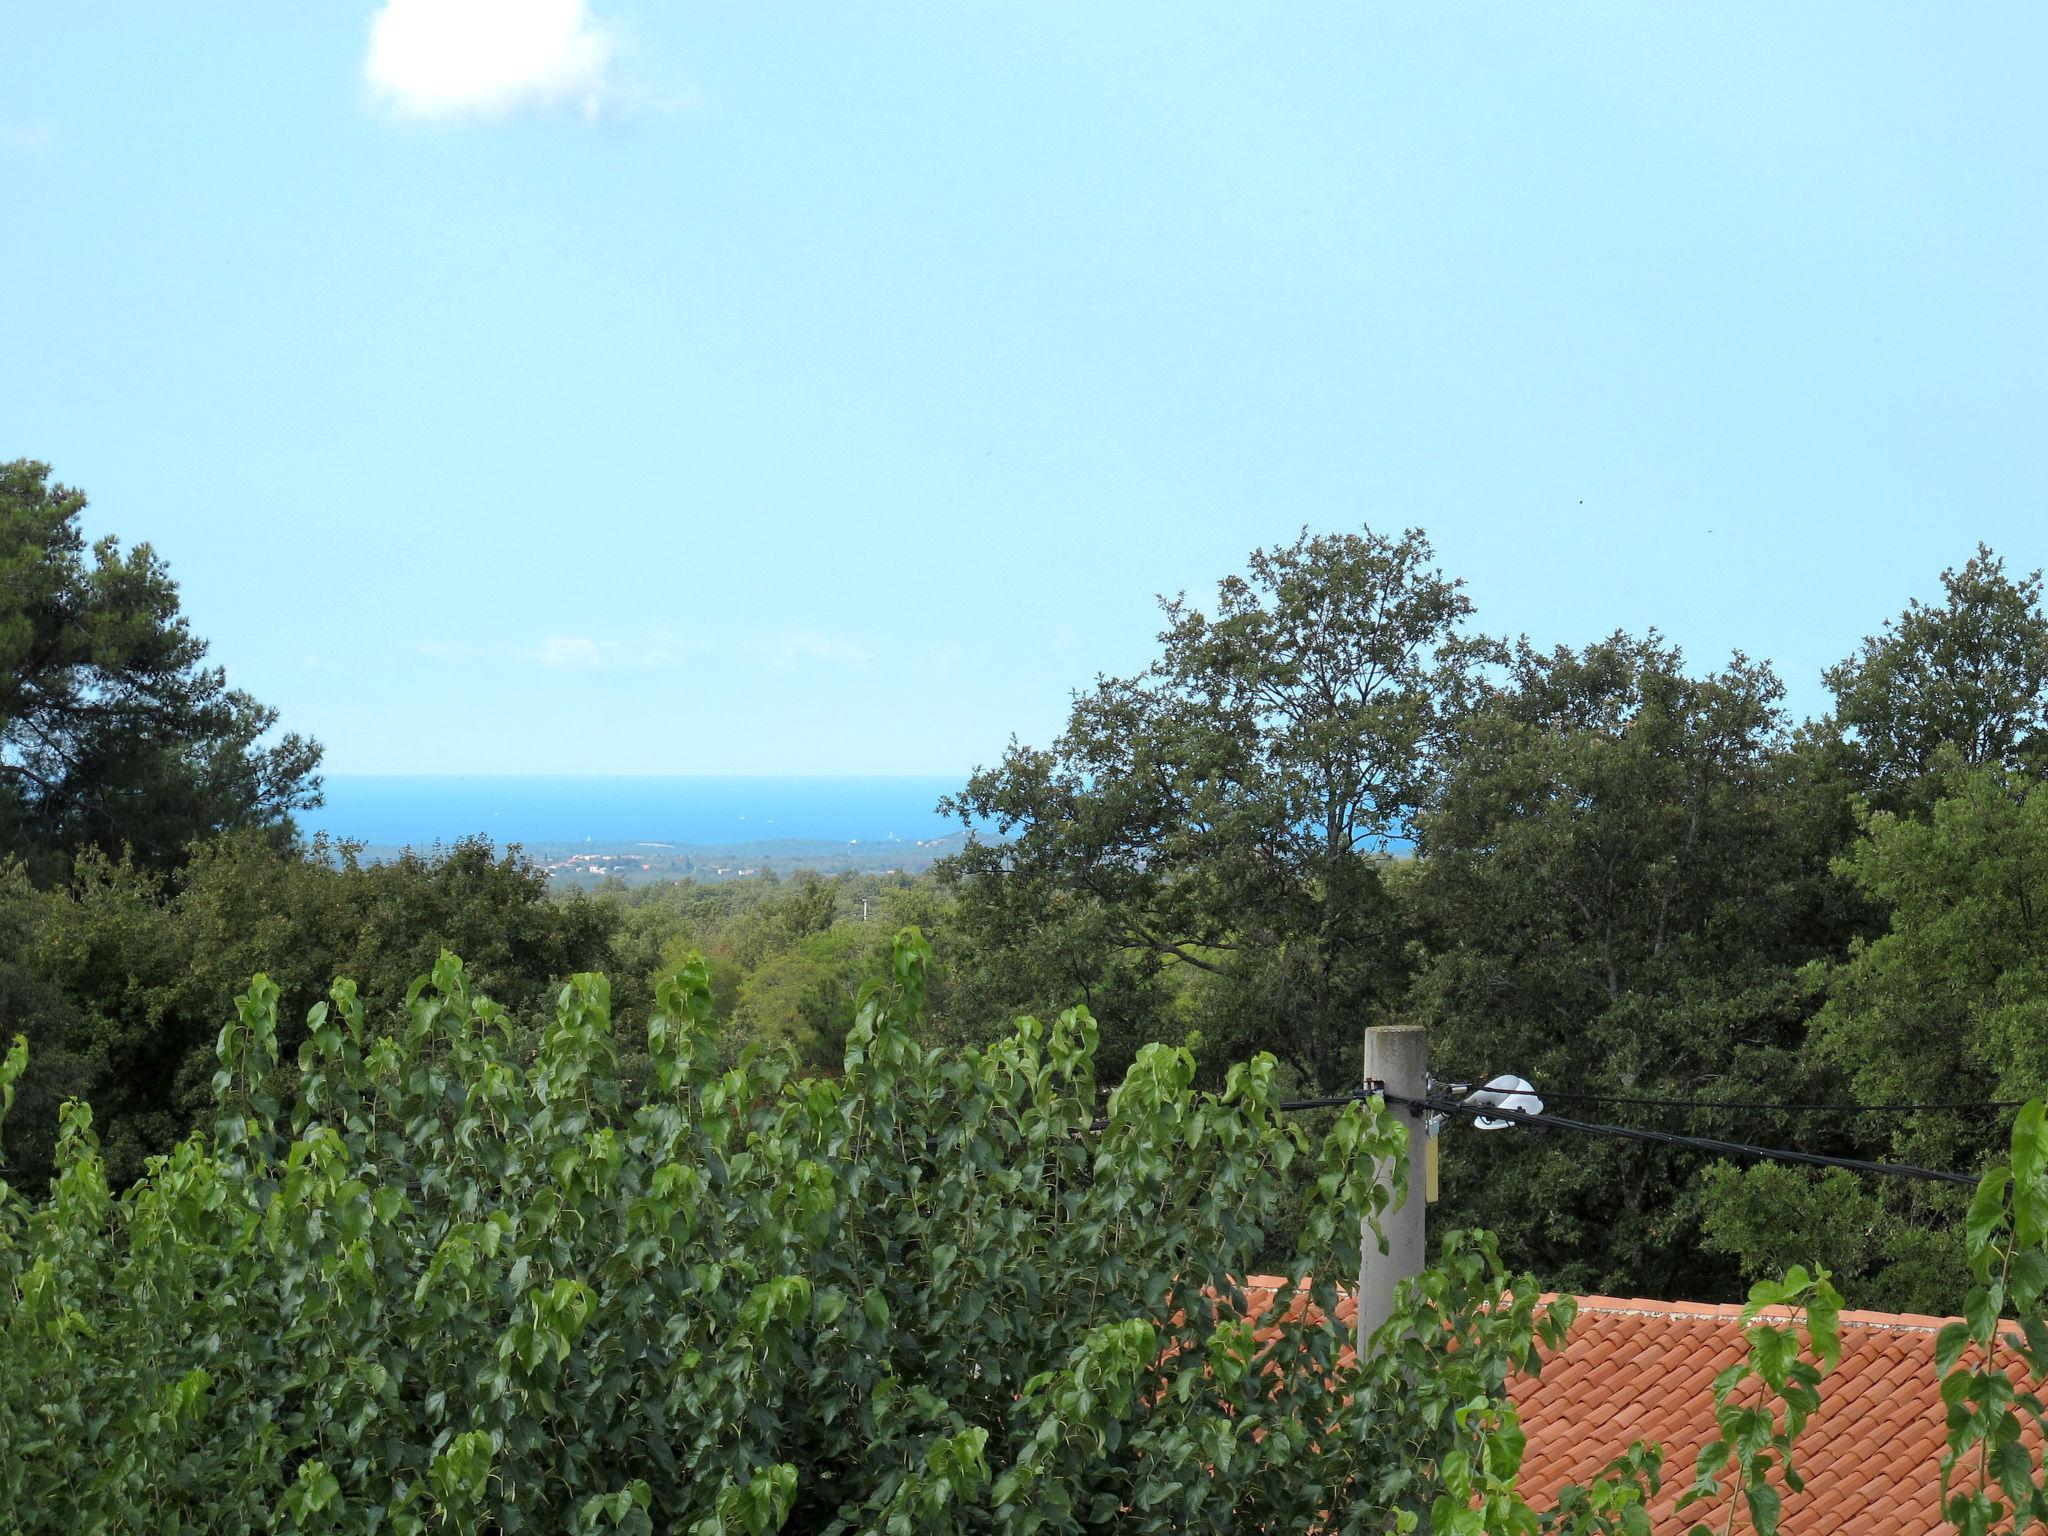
{"points": [[396, 809]]}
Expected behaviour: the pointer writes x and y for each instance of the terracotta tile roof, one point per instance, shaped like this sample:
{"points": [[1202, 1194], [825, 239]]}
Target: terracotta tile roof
{"points": [[1644, 1370]]}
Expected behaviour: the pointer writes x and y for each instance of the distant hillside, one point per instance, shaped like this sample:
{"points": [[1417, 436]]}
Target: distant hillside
{"points": [[586, 864]]}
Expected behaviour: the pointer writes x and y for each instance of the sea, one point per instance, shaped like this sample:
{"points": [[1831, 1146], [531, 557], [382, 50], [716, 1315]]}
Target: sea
{"points": [[418, 810]]}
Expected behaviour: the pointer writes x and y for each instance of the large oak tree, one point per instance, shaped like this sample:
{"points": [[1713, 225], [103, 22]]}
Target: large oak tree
{"points": [[1622, 872], [1227, 812]]}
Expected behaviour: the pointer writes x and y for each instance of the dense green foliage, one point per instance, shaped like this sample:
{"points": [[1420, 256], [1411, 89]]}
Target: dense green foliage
{"points": [[1630, 877], [476, 1286], [786, 959], [1949, 1004], [1968, 677], [1620, 879], [117, 976], [471, 1288], [472, 1284]]}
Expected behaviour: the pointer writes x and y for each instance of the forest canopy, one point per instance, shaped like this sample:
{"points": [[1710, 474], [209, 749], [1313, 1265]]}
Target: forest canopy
{"points": [[1332, 800]]}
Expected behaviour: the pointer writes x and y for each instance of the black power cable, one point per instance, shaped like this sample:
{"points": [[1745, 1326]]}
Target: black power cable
{"points": [[1952, 1106], [1623, 1132], [1673, 1139]]}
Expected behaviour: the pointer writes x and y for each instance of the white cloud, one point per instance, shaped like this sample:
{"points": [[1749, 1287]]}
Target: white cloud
{"points": [[655, 651], [569, 651], [661, 650], [30, 138], [485, 58], [808, 645]]}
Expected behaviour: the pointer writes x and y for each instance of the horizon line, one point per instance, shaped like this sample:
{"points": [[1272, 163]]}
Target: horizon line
{"points": [[685, 774]]}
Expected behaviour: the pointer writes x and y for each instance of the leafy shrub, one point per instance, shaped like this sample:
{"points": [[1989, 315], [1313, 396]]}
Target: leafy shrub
{"points": [[464, 1291]]}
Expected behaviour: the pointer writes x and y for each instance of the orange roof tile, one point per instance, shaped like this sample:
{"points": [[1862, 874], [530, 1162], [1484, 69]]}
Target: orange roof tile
{"points": [[1644, 1370]]}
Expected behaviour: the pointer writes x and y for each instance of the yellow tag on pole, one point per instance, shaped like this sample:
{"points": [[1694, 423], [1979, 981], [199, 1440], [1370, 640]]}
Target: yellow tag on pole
{"points": [[1429, 1172]]}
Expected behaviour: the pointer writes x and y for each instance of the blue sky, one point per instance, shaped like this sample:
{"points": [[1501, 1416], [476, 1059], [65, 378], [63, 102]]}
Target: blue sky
{"points": [[544, 386]]}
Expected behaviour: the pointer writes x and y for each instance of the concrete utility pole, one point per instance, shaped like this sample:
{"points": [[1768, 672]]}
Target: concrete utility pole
{"points": [[1396, 1059]]}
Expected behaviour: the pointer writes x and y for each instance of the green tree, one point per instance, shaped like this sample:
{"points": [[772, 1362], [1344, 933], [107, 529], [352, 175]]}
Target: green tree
{"points": [[1227, 811], [809, 904], [140, 958], [1948, 1004], [1969, 674], [803, 996], [113, 733], [987, 973], [782, 959], [1619, 880], [1951, 1001], [33, 1006]]}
